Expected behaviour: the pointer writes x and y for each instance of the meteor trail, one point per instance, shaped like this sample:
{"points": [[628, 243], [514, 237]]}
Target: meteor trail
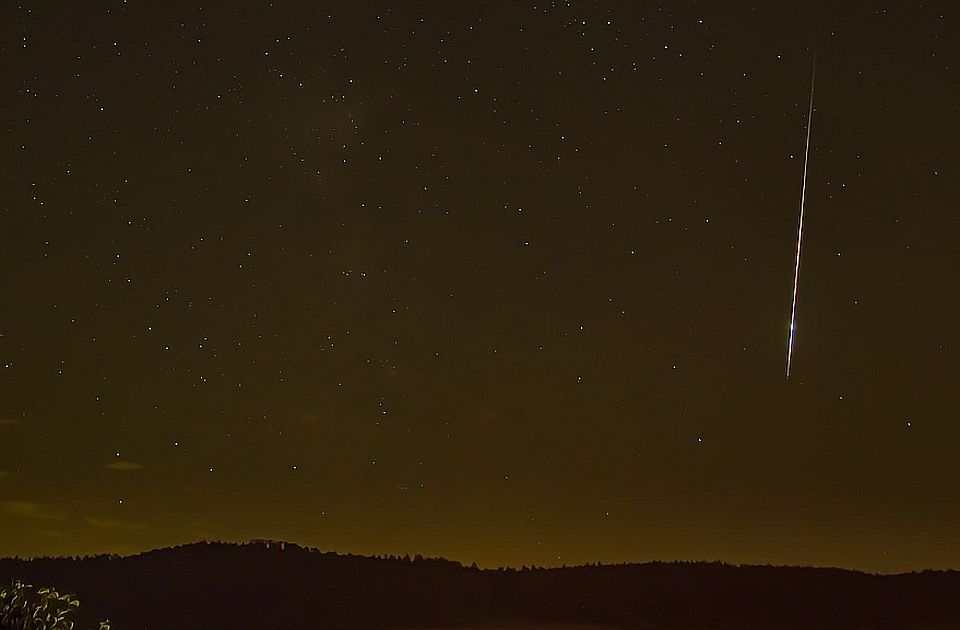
{"points": [[803, 198]]}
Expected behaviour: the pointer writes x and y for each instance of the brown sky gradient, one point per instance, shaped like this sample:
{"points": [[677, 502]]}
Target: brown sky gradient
{"points": [[503, 282]]}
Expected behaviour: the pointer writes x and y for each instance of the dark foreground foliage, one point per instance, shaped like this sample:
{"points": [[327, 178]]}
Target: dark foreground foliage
{"points": [[256, 586], [27, 607]]}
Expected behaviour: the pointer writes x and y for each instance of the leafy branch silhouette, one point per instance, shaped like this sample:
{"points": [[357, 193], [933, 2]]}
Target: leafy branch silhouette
{"points": [[27, 607]]}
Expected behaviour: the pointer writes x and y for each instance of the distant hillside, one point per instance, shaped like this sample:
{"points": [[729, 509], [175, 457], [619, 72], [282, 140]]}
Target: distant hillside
{"points": [[258, 586]]}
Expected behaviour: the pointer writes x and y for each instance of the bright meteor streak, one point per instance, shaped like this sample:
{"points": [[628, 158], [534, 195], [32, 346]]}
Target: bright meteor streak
{"points": [[803, 198]]}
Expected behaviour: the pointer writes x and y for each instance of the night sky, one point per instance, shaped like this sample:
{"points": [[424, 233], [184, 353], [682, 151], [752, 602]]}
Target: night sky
{"points": [[506, 282]]}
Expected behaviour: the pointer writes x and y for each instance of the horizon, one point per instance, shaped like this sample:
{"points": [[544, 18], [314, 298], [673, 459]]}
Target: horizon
{"points": [[469, 564], [266, 583]]}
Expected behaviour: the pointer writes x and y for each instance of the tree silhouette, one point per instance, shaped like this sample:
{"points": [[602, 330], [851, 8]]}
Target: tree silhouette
{"points": [[26, 607]]}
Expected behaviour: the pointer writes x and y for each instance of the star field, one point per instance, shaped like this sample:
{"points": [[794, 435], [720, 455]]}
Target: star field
{"points": [[505, 282]]}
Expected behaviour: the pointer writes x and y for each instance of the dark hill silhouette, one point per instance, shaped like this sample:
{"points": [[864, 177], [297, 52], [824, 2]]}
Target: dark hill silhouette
{"points": [[259, 586]]}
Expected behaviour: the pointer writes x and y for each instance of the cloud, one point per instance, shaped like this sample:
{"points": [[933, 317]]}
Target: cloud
{"points": [[203, 530], [113, 524], [31, 510], [121, 465], [308, 418]]}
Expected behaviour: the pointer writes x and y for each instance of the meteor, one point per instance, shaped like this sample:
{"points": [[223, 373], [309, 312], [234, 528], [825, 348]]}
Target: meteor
{"points": [[803, 198]]}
